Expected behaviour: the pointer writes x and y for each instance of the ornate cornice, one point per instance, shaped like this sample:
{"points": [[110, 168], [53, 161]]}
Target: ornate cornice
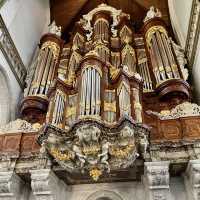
{"points": [[11, 54], [185, 109], [19, 125]]}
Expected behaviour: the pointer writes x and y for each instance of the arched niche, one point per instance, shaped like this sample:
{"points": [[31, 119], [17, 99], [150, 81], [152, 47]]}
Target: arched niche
{"points": [[5, 99], [104, 195]]}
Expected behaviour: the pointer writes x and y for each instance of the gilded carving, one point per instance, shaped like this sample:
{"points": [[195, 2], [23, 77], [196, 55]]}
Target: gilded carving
{"points": [[110, 106], [20, 125], [152, 31], [185, 109], [53, 46], [94, 151]]}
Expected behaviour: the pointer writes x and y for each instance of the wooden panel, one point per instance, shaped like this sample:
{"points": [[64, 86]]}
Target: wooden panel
{"points": [[191, 127], [29, 144], [11, 144], [171, 129]]}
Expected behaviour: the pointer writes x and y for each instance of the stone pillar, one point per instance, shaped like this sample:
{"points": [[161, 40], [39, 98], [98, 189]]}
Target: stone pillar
{"points": [[156, 180], [192, 180], [11, 186], [47, 186]]}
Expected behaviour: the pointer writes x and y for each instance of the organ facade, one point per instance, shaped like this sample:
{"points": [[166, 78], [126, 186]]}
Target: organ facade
{"points": [[110, 105]]}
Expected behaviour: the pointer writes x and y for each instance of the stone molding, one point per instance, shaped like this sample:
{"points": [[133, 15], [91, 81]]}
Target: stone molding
{"points": [[156, 180], [11, 54], [192, 180], [10, 185], [46, 185], [193, 33]]}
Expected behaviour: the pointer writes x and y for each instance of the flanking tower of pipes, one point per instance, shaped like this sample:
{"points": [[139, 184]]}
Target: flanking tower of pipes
{"points": [[170, 74], [43, 74]]}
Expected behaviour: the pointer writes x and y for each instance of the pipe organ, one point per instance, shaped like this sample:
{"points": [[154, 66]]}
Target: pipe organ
{"points": [[94, 92]]}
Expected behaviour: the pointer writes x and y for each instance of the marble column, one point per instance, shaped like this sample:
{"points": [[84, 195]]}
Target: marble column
{"points": [[47, 186], [156, 180], [11, 186], [192, 180]]}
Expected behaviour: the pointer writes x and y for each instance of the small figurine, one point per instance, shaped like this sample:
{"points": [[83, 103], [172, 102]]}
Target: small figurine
{"points": [[152, 13], [55, 29]]}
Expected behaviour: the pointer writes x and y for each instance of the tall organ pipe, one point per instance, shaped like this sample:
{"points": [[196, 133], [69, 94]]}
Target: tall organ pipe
{"points": [[90, 92]]}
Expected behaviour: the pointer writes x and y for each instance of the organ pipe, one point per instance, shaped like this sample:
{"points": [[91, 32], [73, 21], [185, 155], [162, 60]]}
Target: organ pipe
{"points": [[124, 101], [58, 112], [90, 92]]}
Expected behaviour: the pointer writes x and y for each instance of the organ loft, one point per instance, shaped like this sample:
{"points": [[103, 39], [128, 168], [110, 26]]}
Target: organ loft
{"points": [[110, 105]]}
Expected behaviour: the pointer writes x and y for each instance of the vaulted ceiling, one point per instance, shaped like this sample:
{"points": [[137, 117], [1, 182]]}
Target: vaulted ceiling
{"points": [[67, 12]]}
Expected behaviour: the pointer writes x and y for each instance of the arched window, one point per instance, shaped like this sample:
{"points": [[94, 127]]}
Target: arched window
{"points": [[104, 195], [4, 100]]}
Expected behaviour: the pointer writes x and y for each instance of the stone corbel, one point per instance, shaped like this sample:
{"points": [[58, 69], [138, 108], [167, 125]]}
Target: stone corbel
{"points": [[47, 186], [156, 180], [11, 186], [192, 180]]}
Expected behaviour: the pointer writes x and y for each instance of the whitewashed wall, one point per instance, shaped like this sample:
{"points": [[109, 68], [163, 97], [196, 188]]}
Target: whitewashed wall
{"points": [[26, 21], [180, 15], [14, 92]]}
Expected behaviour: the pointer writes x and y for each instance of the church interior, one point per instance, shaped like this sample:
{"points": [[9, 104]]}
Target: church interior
{"points": [[100, 100]]}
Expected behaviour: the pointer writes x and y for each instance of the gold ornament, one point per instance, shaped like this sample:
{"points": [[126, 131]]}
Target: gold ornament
{"points": [[70, 111], [122, 152], [114, 72], [95, 173], [59, 155], [53, 46], [110, 106], [151, 32], [91, 150], [165, 112], [37, 126]]}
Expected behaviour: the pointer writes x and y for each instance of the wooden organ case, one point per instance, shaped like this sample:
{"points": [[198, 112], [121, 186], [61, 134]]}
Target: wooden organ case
{"points": [[111, 98]]}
